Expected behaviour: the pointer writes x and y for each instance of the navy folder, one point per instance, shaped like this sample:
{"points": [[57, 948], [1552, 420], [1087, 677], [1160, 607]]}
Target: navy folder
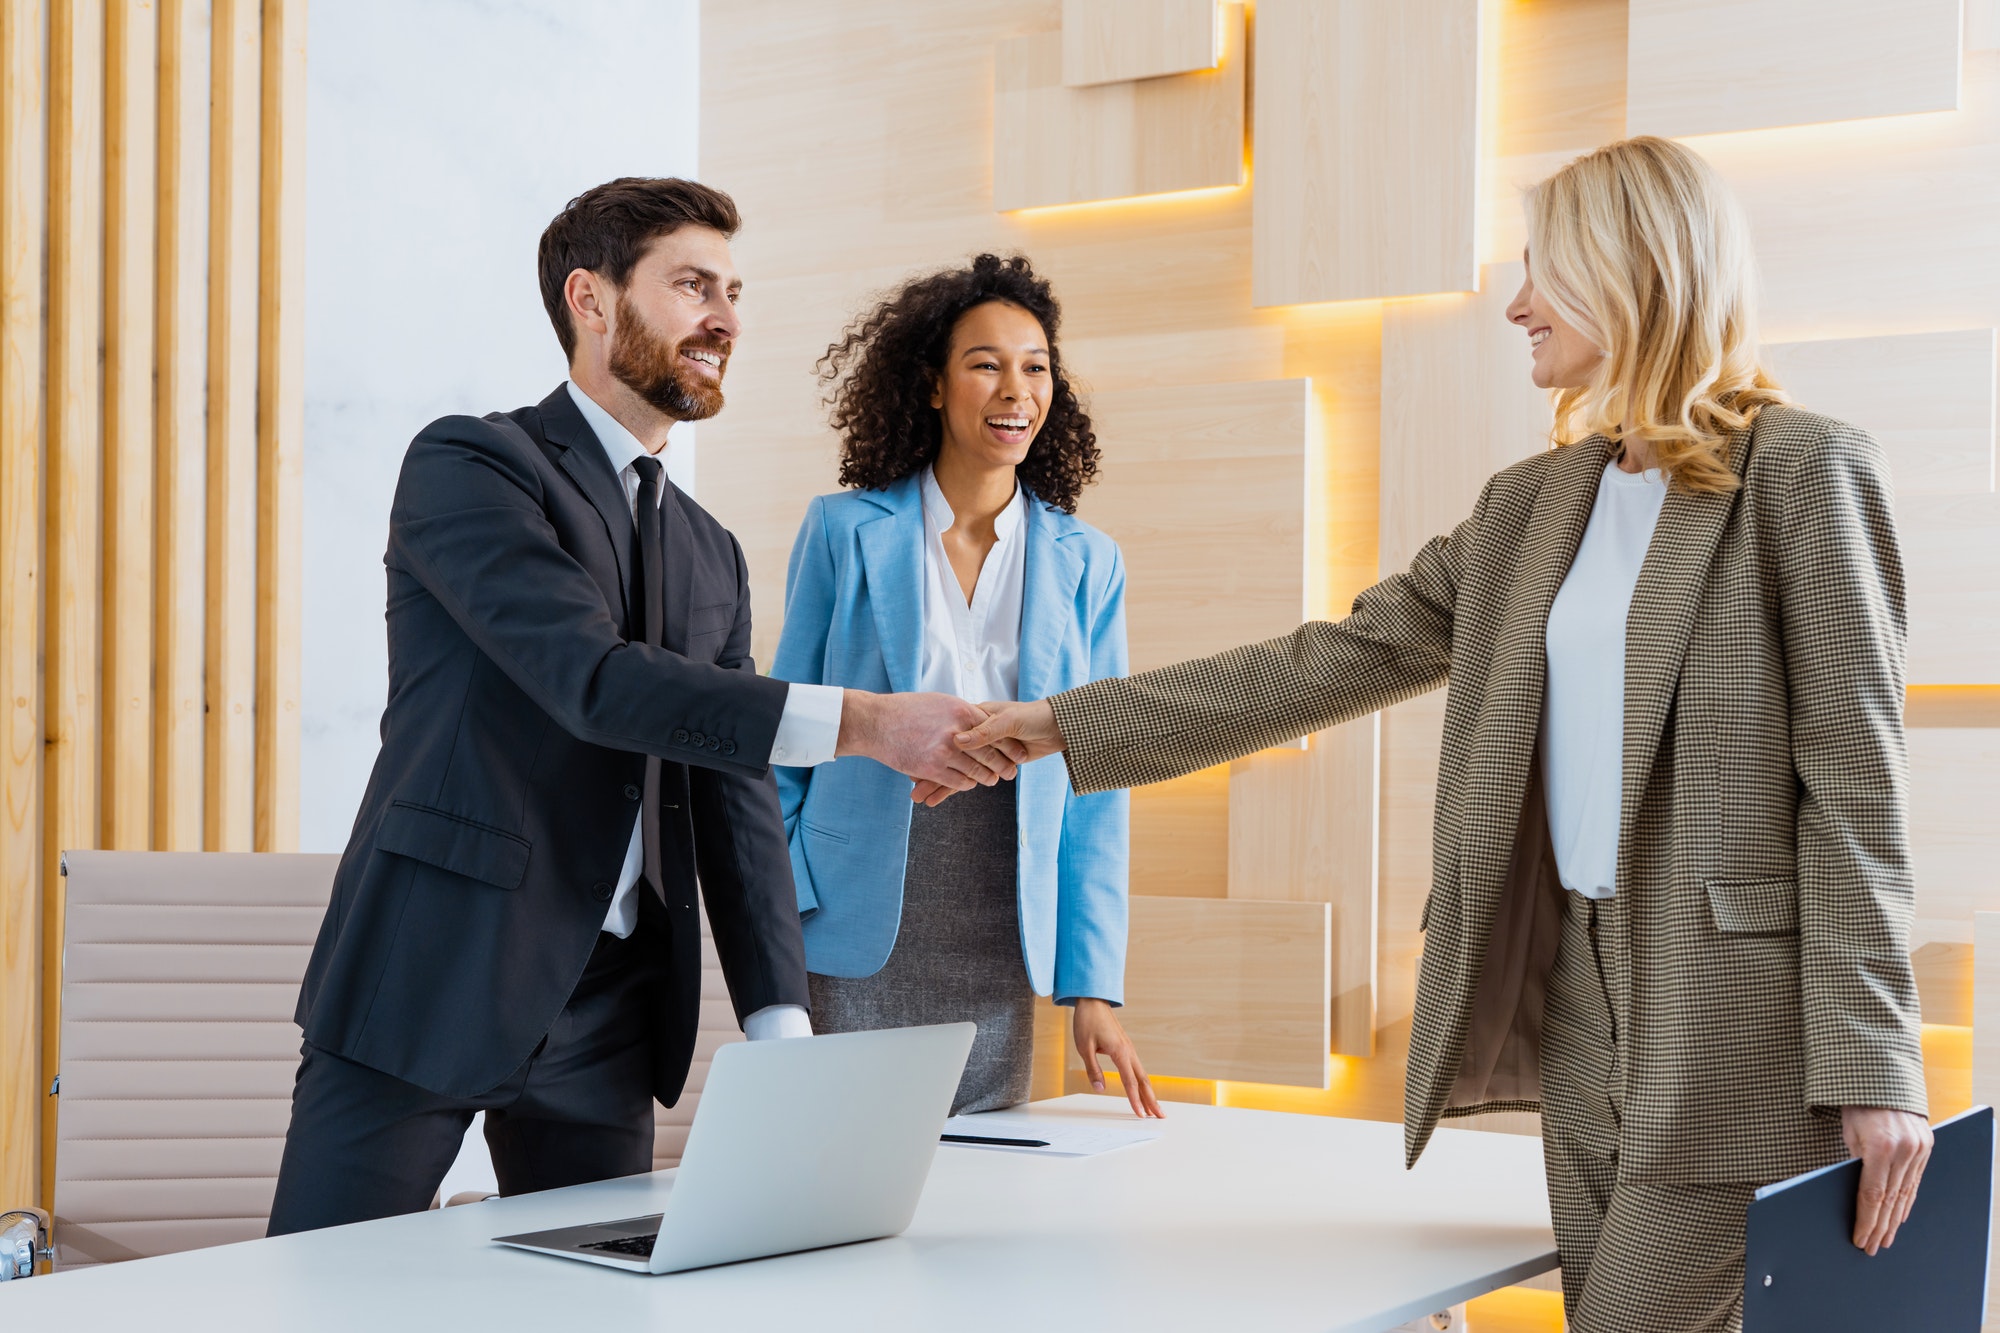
{"points": [[1803, 1274]]}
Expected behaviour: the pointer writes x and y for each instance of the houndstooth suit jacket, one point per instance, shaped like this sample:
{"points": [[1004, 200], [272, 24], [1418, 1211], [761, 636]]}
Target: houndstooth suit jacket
{"points": [[1763, 978]]}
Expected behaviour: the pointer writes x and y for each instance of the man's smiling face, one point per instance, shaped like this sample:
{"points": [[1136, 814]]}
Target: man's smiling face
{"points": [[675, 323]]}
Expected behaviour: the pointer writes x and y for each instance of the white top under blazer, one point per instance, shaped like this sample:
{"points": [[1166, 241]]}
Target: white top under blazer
{"points": [[973, 650], [1583, 709]]}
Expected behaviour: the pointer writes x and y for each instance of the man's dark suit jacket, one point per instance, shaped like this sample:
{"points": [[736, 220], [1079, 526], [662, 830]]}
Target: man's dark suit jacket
{"points": [[513, 756]]}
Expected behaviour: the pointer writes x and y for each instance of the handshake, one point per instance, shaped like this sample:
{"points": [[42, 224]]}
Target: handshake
{"points": [[943, 743]]}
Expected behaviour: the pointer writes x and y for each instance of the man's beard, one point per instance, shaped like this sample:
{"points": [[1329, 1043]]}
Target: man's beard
{"points": [[649, 366]]}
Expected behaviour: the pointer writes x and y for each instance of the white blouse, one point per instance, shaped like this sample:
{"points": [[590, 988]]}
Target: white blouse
{"points": [[973, 651], [1583, 710]]}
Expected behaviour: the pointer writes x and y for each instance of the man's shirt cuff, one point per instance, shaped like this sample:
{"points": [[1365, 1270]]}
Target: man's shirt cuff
{"points": [[777, 1020], [809, 728]]}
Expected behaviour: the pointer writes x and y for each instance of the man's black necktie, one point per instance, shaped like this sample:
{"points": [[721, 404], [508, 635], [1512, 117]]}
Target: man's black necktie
{"points": [[653, 617]]}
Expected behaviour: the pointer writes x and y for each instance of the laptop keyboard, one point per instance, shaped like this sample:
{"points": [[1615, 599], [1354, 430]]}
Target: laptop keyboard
{"points": [[638, 1246]]}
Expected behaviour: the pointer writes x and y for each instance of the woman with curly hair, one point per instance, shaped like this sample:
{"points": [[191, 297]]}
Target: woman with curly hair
{"points": [[955, 562]]}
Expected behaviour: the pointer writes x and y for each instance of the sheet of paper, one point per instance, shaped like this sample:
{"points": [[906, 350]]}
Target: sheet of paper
{"points": [[1065, 1137]]}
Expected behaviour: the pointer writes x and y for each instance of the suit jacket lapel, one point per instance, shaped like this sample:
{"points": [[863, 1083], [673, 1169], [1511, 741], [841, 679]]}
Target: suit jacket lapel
{"points": [[1504, 744], [1660, 623], [1048, 595], [583, 459], [679, 574], [892, 557]]}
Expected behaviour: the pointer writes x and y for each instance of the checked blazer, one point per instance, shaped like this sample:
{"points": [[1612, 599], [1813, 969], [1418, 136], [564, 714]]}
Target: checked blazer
{"points": [[1764, 858]]}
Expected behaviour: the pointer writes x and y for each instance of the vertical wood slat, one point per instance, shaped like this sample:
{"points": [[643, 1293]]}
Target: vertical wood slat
{"points": [[281, 426], [181, 458], [230, 752], [22, 143], [131, 148], [73, 515]]}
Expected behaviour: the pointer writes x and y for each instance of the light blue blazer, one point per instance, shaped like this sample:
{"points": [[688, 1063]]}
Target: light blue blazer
{"points": [[854, 598]]}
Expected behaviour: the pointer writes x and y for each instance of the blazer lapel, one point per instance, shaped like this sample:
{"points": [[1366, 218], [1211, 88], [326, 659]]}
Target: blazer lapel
{"points": [[1504, 742], [1048, 596], [1660, 623], [679, 576], [892, 558], [582, 458]]}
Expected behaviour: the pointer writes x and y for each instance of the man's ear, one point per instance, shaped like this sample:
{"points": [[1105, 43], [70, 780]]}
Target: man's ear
{"points": [[590, 299]]}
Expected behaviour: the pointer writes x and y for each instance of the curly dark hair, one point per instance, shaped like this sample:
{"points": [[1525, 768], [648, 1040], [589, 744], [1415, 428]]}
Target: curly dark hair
{"points": [[881, 374]]}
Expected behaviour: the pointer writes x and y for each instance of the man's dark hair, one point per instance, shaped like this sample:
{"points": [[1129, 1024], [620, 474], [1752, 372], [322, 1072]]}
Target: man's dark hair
{"points": [[607, 229], [880, 376]]}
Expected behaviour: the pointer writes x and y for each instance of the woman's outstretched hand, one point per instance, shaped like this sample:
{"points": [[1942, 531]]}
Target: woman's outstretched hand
{"points": [[1894, 1147], [1098, 1032], [1013, 733]]}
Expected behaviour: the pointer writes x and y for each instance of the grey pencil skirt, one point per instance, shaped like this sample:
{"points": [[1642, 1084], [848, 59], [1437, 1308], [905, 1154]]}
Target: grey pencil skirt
{"points": [[957, 956]]}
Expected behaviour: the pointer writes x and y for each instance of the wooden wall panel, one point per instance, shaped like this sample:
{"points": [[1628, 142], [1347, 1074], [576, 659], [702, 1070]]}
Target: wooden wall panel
{"points": [[1457, 406], [1206, 493], [1112, 41], [1368, 138], [1054, 144], [23, 131], [1712, 66], [131, 94], [1412, 733], [1303, 827], [73, 518], [281, 424], [1565, 75], [1230, 988], [1927, 397], [181, 421], [1180, 836], [1954, 792], [230, 750], [1954, 615]]}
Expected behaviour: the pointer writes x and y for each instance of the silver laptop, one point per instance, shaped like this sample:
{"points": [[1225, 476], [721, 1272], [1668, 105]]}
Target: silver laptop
{"points": [[796, 1144]]}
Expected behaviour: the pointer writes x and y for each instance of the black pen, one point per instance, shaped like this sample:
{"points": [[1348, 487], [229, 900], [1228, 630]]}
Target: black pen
{"points": [[1000, 1143]]}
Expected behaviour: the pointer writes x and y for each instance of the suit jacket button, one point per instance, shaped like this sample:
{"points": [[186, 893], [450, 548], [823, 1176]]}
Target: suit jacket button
{"points": [[714, 743], [696, 739], [681, 736], [601, 891], [729, 747], [632, 793]]}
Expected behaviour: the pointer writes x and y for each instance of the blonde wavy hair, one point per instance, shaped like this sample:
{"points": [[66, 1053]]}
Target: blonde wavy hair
{"points": [[1642, 248]]}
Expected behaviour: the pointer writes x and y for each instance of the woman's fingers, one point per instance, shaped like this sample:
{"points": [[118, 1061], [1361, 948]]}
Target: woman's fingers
{"points": [[1087, 1048], [1872, 1201], [1138, 1088]]}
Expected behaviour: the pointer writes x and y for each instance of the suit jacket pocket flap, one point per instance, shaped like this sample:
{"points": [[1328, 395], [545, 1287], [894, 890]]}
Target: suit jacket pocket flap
{"points": [[1764, 906], [452, 842]]}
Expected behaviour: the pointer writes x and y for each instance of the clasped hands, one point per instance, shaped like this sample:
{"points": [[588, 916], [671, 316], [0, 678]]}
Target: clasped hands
{"points": [[945, 744]]}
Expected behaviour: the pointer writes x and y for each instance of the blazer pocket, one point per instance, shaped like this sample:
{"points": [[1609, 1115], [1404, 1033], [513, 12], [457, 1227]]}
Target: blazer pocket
{"points": [[819, 832], [1767, 905], [717, 619], [452, 842]]}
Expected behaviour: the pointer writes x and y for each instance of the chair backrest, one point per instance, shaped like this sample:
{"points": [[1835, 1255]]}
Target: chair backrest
{"points": [[180, 972], [717, 1029]]}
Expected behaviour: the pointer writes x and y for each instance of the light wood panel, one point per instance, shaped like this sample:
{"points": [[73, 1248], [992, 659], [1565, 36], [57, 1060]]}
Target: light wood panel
{"points": [[73, 516], [1457, 406], [180, 416], [1368, 141], [1180, 836], [281, 425], [1205, 490], [1954, 795], [131, 93], [1711, 66], [1927, 397], [230, 750], [1111, 41], [1412, 733], [1054, 144], [1560, 91], [23, 131], [1304, 827], [1230, 988], [1949, 542]]}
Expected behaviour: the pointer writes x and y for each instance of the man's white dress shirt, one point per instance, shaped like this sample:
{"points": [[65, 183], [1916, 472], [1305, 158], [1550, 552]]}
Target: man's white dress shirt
{"points": [[1583, 710], [809, 727], [973, 650]]}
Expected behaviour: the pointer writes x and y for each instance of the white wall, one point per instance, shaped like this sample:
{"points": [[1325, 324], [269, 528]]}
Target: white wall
{"points": [[442, 135]]}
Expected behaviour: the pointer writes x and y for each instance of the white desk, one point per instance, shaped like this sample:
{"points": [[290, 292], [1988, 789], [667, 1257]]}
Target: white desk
{"points": [[1232, 1220]]}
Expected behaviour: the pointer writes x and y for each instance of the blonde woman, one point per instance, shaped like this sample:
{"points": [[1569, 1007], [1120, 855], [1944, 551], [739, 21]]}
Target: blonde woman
{"points": [[1672, 897]]}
